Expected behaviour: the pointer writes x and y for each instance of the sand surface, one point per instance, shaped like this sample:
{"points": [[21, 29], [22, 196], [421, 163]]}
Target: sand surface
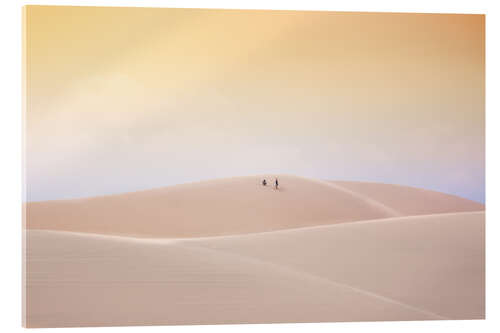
{"points": [[238, 205], [218, 252]]}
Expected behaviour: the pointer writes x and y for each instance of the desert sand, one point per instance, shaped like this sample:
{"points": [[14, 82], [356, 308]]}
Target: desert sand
{"points": [[233, 251], [238, 205]]}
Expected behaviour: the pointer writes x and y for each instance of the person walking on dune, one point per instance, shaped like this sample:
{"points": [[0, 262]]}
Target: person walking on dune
{"points": [[276, 183], [264, 183]]}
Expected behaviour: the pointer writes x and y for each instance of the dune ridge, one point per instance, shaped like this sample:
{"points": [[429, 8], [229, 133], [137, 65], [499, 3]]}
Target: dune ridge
{"points": [[322, 225]]}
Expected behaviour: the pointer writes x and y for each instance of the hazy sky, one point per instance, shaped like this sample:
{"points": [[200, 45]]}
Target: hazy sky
{"points": [[121, 99]]}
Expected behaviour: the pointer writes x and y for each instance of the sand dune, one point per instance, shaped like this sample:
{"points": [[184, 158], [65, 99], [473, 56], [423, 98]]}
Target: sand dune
{"points": [[233, 251], [411, 200], [237, 205], [429, 267], [433, 262]]}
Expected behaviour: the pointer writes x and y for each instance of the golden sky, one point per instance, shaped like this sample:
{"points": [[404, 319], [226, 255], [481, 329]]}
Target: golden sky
{"points": [[122, 99]]}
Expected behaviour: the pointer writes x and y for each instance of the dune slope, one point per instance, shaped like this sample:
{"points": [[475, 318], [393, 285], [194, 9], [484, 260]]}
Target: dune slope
{"points": [[233, 251], [230, 206], [428, 267], [433, 262], [411, 200], [81, 279]]}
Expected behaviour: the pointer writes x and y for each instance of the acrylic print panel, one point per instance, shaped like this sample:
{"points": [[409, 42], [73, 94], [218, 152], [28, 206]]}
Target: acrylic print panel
{"points": [[193, 166]]}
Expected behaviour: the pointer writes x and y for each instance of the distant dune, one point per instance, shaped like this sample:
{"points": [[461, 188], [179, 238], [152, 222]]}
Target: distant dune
{"points": [[238, 205], [233, 251], [411, 200]]}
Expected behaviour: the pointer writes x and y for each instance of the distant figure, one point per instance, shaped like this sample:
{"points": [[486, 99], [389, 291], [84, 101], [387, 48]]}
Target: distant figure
{"points": [[264, 183], [276, 183]]}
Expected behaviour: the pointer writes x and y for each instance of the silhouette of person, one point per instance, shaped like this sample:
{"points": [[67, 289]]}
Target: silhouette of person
{"points": [[264, 182], [276, 183]]}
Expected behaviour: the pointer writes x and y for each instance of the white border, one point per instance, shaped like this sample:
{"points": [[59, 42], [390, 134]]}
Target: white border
{"points": [[10, 159]]}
